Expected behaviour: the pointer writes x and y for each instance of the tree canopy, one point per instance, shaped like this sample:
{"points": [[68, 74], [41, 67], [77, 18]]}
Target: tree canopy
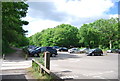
{"points": [[12, 31], [102, 33], [62, 35]]}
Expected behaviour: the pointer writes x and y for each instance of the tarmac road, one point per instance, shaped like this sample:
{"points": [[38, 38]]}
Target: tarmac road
{"points": [[67, 66], [80, 66]]}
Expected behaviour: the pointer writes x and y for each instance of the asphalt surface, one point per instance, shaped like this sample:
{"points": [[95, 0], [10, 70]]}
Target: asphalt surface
{"points": [[66, 66], [80, 66]]}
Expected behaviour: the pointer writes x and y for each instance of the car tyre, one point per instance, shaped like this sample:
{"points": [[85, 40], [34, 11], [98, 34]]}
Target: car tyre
{"points": [[90, 54], [36, 55], [53, 55]]}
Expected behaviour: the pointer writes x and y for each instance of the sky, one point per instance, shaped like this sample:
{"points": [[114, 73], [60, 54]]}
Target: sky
{"points": [[43, 14]]}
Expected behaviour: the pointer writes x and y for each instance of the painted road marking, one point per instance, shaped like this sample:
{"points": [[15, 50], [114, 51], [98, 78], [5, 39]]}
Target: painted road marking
{"points": [[15, 65], [69, 77]]}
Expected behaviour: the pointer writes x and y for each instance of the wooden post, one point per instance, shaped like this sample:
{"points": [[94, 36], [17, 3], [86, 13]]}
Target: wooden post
{"points": [[47, 60], [26, 56], [3, 56], [41, 71]]}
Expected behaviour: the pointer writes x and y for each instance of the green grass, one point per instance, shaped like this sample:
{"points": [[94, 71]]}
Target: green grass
{"points": [[37, 75]]}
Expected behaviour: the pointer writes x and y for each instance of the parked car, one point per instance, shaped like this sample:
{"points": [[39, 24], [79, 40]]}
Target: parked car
{"points": [[36, 52], [53, 52], [56, 47], [118, 51], [88, 50], [83, 50], [95, 52], [73, 50], [112, 51], [30, 50], [31, 47], [63, 49]]}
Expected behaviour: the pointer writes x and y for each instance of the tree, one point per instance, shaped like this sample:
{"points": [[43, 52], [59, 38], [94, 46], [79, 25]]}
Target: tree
{"points": [[66, 35], [12, 31], [88, 36], [108, 29], [62, 35]]}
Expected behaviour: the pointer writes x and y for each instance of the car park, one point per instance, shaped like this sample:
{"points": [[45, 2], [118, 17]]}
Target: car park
{"points": [[63, 49], [95, 52]]}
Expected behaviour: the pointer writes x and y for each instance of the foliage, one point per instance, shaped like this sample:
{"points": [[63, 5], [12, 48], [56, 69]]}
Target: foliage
{"points": [[109, 32], [39, 76], [9, 51], [41, 60], [102, 33], [12, 31], [88, 36], [62, 35]]}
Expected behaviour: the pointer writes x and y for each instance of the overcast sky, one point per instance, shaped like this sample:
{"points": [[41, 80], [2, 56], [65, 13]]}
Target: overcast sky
{"points": [[44, 14]]}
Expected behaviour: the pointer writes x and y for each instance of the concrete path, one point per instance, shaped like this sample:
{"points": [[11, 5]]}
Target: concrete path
{"points": [[14, 66]]}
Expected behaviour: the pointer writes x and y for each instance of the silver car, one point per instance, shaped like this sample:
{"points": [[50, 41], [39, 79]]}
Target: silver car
{"points": [[73, 50]]}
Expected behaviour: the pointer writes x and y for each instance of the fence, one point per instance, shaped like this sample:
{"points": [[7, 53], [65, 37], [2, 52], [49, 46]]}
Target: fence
{"points": [[44, 68]]}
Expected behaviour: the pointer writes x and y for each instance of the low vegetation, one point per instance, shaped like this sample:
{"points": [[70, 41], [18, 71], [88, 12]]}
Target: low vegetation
{"points": [[36, 75], [36, 71], [12, 32]]}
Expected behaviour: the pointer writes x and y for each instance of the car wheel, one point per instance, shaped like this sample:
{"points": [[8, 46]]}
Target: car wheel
{"points": [[35, 55], [92, 54], [53, 55]]}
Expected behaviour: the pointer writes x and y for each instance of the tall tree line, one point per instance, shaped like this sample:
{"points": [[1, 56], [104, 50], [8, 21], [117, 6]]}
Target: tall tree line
{"points": [[102, 33], [12, 32]]}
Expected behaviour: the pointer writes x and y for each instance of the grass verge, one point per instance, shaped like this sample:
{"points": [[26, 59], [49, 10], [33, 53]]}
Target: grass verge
{"points": [[36, 75]]}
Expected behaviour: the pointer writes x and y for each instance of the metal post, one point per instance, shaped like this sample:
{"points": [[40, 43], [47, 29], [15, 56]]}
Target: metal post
{"points": [[47, 60]]}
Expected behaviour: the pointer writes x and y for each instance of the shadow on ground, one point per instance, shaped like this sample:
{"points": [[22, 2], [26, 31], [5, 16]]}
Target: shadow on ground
{"points": [[14, 77]]}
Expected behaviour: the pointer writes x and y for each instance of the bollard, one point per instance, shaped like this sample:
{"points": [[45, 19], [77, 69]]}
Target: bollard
{"points": [[3, 56], [47, 60], [26, 56]]}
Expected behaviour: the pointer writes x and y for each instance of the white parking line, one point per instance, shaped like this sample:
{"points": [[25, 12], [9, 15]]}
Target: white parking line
{"points": [[74, 60], [100, 73], [69, 77]]}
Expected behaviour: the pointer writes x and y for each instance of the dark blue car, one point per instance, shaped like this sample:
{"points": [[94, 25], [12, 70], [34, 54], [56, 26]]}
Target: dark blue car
{"points": [[37, 51]]}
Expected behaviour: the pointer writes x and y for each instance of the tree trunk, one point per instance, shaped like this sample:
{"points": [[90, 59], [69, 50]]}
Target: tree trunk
{"points": [[110, 43]]}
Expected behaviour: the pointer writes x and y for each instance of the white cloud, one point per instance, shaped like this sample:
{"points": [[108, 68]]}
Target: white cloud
{"points": [[38, 25], [113, 15], [44, 15], [84, 8]]}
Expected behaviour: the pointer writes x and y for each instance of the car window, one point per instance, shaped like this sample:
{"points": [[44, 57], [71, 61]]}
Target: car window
{"points": [[64, 48], [49, 48], [43, 49], [38, 48]]}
